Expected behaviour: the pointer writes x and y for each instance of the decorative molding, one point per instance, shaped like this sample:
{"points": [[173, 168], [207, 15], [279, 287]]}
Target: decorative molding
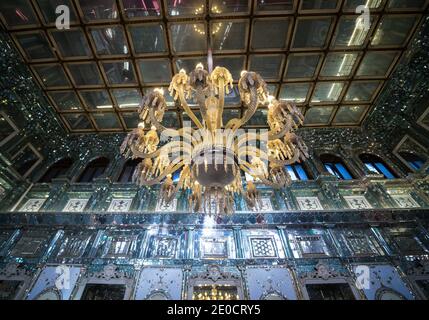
{"points": [[120, 205], [164, 246], [214, 273], [265, 205], [266, 282], [263, 247], [308, 245], [32, 205], [75, 205], [405, 201], [160, 283], [357, 202], [212, 247], [323, 271], [110, 272], [171, 207], [421, 120], [404, 145], [309, 203], [177, 220], [262, 244]]}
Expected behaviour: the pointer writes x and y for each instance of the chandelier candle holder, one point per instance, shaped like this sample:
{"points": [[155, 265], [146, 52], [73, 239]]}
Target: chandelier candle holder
{"points": [[215, 158]]}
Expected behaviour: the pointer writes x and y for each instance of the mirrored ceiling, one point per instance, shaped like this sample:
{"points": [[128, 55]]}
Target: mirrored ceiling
{"points": [[317, 53]]}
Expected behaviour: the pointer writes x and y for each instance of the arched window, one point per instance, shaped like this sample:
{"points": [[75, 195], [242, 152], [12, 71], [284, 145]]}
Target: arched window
{"points": [[57, 170], [297, 172], [336, 167], [94, 169], [413, 160], [377, 166], [128, 170]]}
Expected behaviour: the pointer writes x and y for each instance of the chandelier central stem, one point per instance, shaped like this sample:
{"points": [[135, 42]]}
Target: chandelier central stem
{"points": [[210, 59]]}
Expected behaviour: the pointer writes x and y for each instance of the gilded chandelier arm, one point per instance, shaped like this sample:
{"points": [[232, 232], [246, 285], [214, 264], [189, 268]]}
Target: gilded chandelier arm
{"points": [[256, 152], [253, 151], [221, 80], [236, 123], [169, 170], [277, 134], [188, 110], [179, 86], [138, 154], [153, 108], [179, 185], [251, 107], [253, 90], [155, 122], [174, 146], [262, 137], [286, 162], [245, 167]]}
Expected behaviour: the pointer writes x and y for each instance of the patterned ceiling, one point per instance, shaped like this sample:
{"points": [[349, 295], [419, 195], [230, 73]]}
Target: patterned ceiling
{"points": [[314, 52]]}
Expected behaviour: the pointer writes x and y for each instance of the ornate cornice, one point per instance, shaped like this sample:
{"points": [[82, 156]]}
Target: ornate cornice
{"points": [[181, 220]]}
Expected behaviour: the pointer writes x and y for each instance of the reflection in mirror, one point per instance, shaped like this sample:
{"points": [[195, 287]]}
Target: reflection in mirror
{"points": [[94, 10], [103, 292], [141, 8], [109, 41], [330, 291], [35, 46]]}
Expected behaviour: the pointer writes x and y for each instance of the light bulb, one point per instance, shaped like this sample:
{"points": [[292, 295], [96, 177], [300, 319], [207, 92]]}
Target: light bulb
{"points": [[160, 90], [270, 100]]}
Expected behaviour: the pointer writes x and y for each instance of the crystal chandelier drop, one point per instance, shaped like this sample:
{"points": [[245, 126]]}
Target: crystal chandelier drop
{"points": [[214, 158]]}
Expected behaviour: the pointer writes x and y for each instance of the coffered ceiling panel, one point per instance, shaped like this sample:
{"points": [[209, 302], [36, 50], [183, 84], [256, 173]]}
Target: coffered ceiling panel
{"points": [[318, 54]]}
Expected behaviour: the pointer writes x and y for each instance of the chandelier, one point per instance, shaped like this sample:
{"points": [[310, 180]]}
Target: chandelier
{"points": [[216, 161], [215, 292]]}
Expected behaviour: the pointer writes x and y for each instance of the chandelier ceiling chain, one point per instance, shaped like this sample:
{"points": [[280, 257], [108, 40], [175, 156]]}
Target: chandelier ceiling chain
{"points": [[214, 158]]}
